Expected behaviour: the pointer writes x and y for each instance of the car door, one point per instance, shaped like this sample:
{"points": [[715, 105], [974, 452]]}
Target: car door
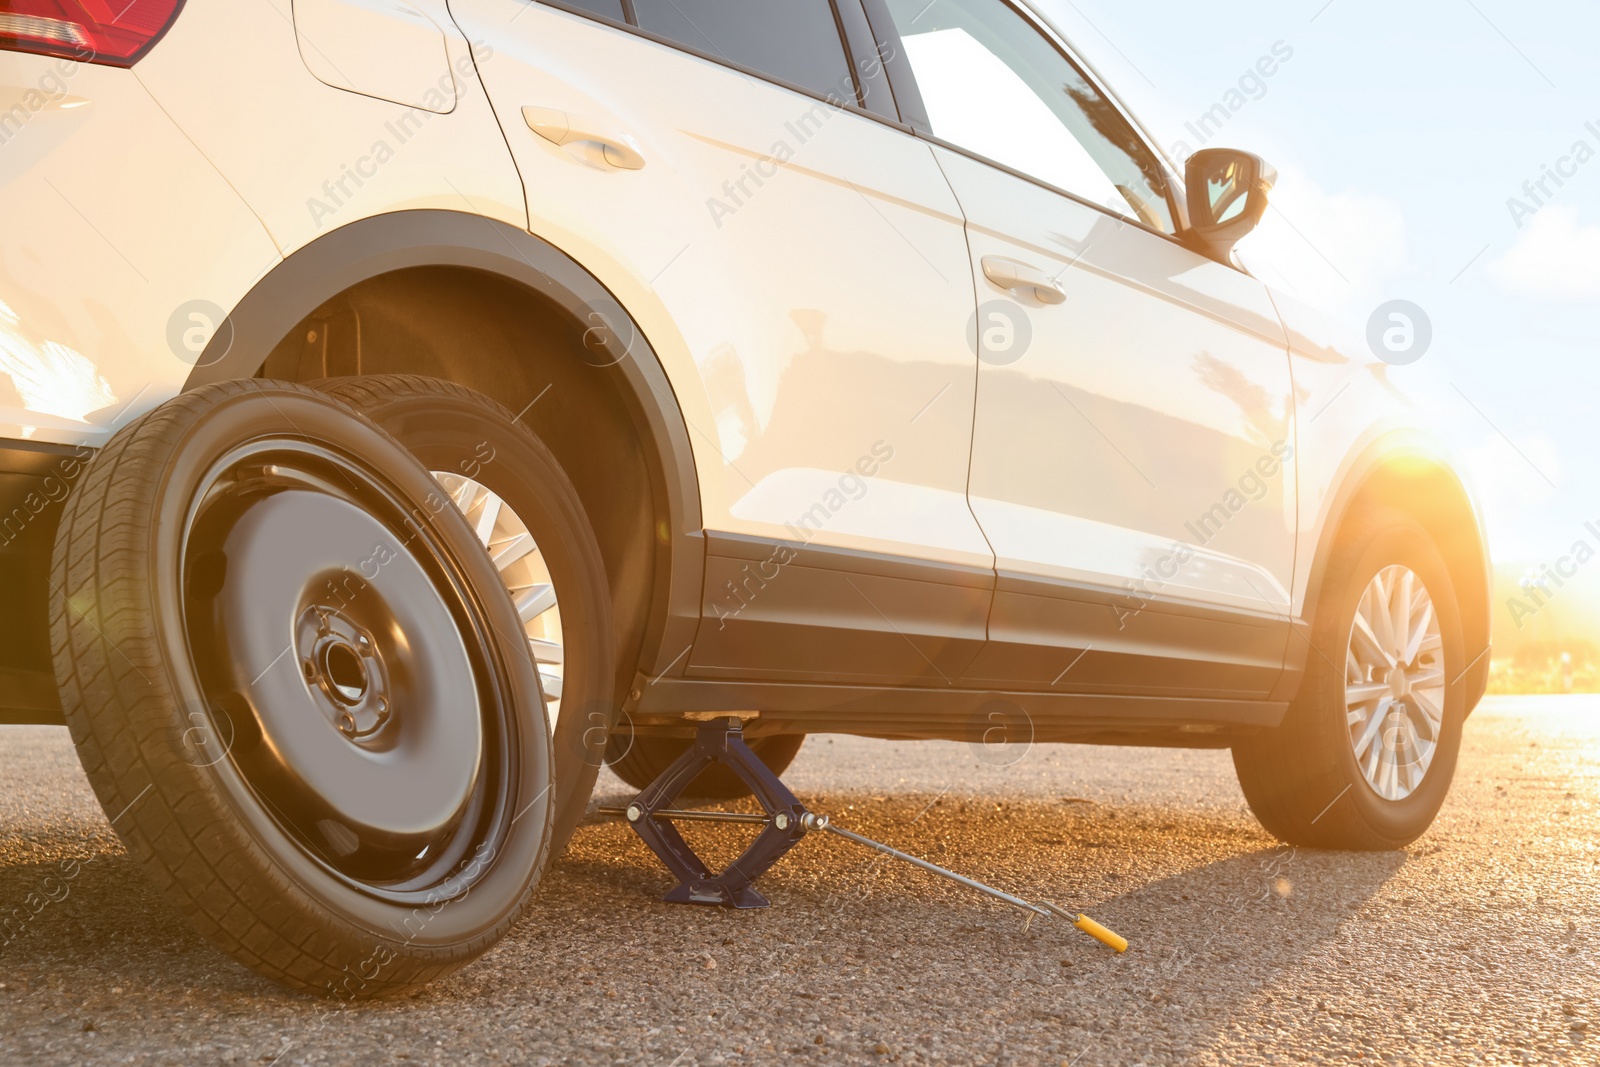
{"points": [[1132, 451], [733, 170]]}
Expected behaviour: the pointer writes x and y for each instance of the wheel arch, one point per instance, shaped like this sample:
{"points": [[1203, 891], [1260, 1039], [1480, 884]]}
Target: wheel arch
{"points": [[494, 308], [1409, 471]]}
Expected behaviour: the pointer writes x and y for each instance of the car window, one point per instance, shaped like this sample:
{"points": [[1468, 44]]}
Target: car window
{"points": [[994, 85], [793, 41]]}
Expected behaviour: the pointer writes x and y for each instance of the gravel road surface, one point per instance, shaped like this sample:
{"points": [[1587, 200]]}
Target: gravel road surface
{"points": [[1478, 944]]}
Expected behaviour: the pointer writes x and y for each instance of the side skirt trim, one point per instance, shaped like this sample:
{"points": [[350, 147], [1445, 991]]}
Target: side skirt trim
{"points": [[955, 714]]}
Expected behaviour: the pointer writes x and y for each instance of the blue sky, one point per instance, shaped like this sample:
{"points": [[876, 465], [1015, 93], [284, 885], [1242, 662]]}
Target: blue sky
{"points": [[1401, 129]]}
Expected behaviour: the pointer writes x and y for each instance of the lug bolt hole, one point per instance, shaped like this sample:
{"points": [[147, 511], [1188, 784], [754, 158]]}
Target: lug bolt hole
{"points": [[345, 672]]}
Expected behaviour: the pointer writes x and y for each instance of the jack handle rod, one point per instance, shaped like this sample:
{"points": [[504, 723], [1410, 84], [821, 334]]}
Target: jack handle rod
{"points": [[1082, 922], [934, 868]]}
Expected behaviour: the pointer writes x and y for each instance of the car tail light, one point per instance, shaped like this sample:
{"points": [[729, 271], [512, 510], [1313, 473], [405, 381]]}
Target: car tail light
{"points": [[116, 32]]}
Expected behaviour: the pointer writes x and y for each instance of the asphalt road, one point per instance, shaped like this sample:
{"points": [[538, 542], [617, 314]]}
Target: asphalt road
{"points": [[1478, 944]]}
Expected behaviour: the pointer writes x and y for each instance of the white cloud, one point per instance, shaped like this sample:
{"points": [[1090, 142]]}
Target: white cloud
{"points": [[1334, 250], [1554, 258]]}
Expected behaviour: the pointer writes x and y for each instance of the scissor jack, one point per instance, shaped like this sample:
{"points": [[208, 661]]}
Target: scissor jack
{"points": [[785, 822]]}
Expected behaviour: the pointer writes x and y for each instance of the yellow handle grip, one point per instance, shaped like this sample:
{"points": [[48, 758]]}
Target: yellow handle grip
{"points": [[1100, 933]]}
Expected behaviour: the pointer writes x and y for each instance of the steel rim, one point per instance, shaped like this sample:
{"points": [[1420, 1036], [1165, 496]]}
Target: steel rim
{"points": [[525, 571], [1394, 683], [349, 653]]}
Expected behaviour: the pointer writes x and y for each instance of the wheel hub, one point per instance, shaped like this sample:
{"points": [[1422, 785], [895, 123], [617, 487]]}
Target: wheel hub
{"points": [[346, 675], [1399, 682]]}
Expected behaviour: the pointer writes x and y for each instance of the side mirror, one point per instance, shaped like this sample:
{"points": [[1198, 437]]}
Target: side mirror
{"points": [[1227, 196]]}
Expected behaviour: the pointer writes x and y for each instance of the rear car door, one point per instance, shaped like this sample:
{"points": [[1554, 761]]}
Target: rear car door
{"points": [[733, 170], [1132, 453]]}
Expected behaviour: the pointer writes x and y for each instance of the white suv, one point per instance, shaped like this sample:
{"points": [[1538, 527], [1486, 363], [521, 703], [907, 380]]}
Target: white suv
{"points": [[855, 361]]}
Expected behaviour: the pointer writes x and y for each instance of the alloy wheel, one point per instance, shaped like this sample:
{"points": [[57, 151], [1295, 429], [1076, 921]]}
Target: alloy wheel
{"points": [[1394, 682], [521, 565]]}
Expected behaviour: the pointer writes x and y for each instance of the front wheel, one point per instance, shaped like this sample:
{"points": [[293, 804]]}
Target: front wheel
{"points": [[1365, 755]]}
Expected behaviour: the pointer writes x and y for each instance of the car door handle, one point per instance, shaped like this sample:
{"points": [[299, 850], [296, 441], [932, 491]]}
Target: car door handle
{"points": [[1009, 274], [563, 127]]}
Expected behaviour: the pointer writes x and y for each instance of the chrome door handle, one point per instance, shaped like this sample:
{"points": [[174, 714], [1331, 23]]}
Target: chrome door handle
{"points": [[562, 127], [1009, 274]]}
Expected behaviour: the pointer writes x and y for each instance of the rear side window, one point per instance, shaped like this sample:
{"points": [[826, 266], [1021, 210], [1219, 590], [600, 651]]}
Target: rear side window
{"points": [[793, 41]]}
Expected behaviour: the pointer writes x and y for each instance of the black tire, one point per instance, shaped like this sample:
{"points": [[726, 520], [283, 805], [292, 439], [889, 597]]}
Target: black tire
{"points": [[645, 759], [250, 787], [1302, 780], [455, 430]]}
